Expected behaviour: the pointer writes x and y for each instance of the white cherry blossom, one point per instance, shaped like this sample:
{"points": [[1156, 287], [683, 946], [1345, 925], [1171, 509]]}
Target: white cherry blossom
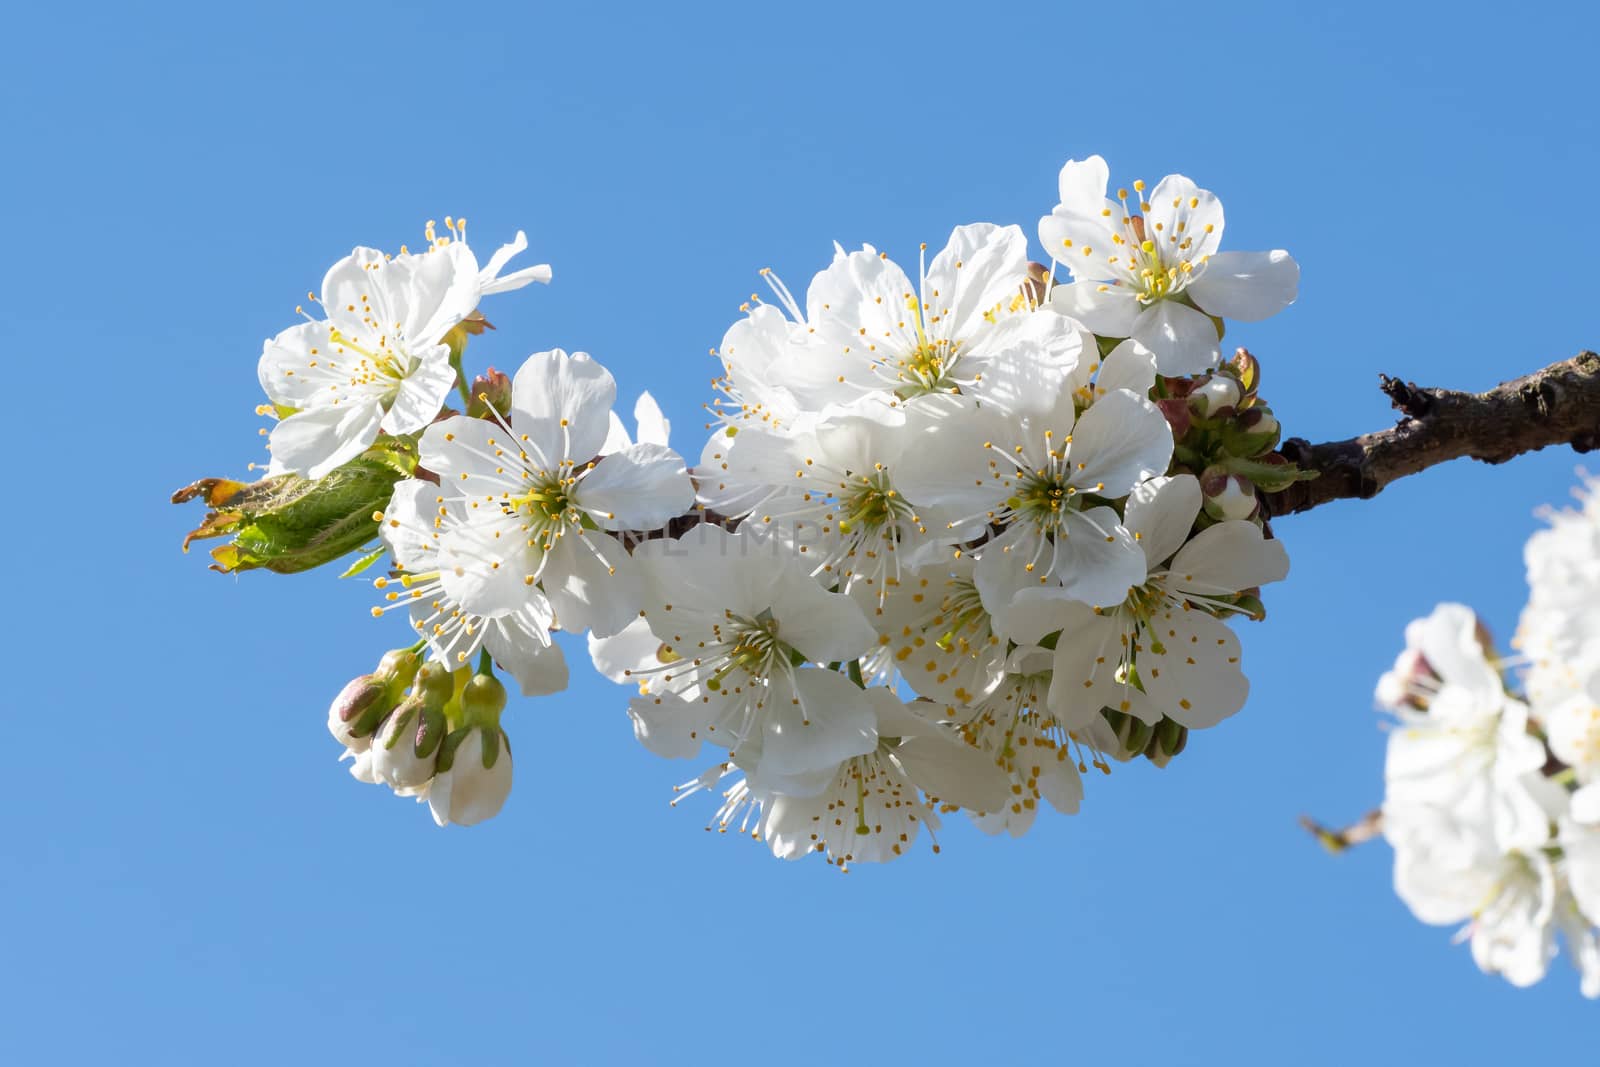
{"points": [[1046, 480], [1165, 650], [1147, 266], [738, 626], [536, 498], [519, 640]]}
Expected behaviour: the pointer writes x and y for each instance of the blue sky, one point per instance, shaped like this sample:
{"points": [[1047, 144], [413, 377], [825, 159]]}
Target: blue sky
{"points": [[191, 878]]}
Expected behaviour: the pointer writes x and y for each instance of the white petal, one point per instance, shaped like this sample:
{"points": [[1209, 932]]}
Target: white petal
{"points": [[553, 388], [1189, 664], [1181, 211], [1083, 184], [1184, 340], [817, 721], [315, 442], [1108, 310], [666, 726], [422, 392], [1228, 557], [654, 429], [407, 526], [1161, 512], [954, 772], [616, 436], [1028, 358], [591, 584], [824, 627], [1119, 442], [1129, 366], [1247, 286], [982, 265], [293, 369], [527, 653], [1099, 559], [468, 558], [637, 488]]}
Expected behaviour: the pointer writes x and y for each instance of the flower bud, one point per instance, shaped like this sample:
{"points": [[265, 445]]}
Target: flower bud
{"points": [[1217, 396], [1227, 496], [1253, 431], [482, 700], [397, 663], [357, 710], [490, 391], [405, 748], [1167, 740], [1247, 369], [474, 776]]}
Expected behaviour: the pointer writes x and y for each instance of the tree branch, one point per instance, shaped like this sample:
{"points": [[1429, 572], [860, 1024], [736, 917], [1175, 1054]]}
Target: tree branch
{"points": [[1559, 405]]}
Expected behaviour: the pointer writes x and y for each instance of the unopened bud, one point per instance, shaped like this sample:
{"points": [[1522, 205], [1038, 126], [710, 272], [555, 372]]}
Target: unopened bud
{"points": [[435, 685], [396, 760], [397, 663], [1217, 396], [1253, 431], [490, 391], [357, 711], [482, 700], [474, 775], [1169, 738], [1227, 496], [1247, 369]]}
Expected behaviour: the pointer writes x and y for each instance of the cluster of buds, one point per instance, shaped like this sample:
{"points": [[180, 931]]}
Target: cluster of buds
{"points": [[1225, 435], [429, 733]]}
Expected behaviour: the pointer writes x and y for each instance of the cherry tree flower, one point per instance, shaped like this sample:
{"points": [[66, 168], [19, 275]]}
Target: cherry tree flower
{"points": [[1147, 266], [519, 640], [1041, 477], [1470, 811], [378, 362], [832, 495], [535, 498], [1164, 651], [871, 807], [738, 628]]}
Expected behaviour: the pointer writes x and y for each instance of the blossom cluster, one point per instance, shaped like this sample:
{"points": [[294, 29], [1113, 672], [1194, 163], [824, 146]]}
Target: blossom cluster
{"points": [[955, 535], [1492, 799]]}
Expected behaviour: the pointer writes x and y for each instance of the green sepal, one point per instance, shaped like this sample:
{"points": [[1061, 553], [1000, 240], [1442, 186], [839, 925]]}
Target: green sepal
{"points": [[447, 749], [491, 748], [430, 733], [1267, 477], [363, 563]]}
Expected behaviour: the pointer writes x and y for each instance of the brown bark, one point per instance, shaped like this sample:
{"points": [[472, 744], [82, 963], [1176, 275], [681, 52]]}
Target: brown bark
{"points": [[1559, 405]]}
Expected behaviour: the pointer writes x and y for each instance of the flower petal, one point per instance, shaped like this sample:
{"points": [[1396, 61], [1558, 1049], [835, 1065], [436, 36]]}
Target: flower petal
{"points": [[1226, 558], [564, 404], [1121, 440], [1108, 310], [814, 722], [315, 442], [1247, 286], [1098, 560], [1189, 665], [527, 653], [1184, 340], [1161, 512], [637, 488], [422, 392]]}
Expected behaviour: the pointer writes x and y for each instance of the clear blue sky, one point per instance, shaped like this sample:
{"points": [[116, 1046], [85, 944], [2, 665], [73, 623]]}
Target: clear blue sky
{"points": [[189, 877]]}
